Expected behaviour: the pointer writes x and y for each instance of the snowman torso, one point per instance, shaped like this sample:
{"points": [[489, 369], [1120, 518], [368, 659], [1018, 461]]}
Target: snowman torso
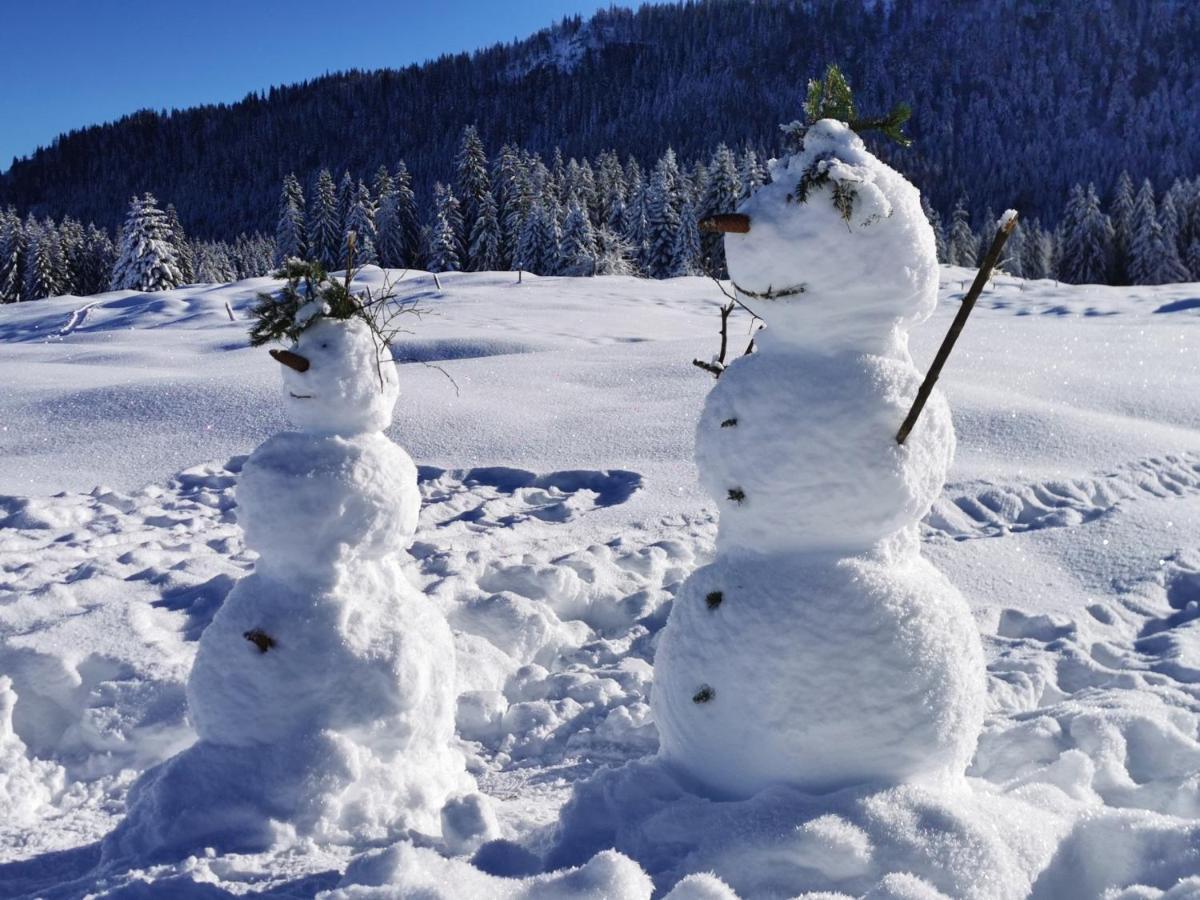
{"points": [[819, 648]]}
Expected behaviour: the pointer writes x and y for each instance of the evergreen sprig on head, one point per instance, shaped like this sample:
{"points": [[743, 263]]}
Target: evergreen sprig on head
{"points": [[831, 97], [309, 294]]}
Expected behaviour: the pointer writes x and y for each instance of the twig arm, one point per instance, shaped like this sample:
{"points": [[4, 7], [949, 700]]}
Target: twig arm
{"points": [[956, 327]]}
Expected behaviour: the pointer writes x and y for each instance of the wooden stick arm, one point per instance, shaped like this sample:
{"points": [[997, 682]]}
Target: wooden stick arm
{"points": [[981, 279]]}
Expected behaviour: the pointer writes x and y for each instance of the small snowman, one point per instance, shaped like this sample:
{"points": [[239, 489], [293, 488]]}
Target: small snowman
{"points": [[819, 649], [323, 691]]}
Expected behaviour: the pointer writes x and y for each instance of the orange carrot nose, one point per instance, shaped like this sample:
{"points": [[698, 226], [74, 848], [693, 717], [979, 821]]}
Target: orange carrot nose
{"points": [[290, 359], [738, 223]]}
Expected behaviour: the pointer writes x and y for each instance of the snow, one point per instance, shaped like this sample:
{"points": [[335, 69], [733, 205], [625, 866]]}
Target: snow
{"points": [[559, 493]]}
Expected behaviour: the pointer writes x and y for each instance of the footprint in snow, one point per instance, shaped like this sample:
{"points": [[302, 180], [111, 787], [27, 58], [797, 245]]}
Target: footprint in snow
{"points": [[499, 496]]}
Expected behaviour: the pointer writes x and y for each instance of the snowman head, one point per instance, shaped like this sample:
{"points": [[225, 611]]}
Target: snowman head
{"points": [[836, 249], [338, 379]]}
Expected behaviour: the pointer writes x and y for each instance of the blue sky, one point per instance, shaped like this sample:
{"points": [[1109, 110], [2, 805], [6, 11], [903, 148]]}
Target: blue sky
{"points": [[69, 63]]}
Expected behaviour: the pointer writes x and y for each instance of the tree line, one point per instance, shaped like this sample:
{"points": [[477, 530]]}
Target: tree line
{"points": [[516, 211]]}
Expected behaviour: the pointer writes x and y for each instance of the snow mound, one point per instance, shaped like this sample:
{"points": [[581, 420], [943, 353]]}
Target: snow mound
{"points": [[405, 871], [27, 786]]}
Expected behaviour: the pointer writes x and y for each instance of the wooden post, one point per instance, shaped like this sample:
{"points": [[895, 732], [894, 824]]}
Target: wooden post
{"points": [[956, 327], [351, 239]]}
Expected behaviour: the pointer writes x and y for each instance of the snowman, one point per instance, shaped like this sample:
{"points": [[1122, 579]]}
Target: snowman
{"points": [[819, 649], [322, 692]]}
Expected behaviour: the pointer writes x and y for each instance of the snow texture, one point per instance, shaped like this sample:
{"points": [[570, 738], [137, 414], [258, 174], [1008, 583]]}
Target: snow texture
{"points": [[561, 513], [819, 649]]}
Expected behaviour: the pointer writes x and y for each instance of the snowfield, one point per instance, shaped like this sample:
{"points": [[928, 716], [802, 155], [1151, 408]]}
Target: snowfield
{"points": [[552, 423]]}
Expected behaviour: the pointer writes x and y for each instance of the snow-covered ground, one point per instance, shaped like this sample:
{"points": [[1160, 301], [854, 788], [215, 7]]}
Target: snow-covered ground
{"points": [[553, 421]]}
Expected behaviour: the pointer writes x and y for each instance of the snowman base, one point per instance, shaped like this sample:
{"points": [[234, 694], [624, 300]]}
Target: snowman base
{"points": [[864, 670], [254, 798]]}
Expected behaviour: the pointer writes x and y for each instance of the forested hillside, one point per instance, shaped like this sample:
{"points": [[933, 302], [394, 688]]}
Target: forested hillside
{"points": [[1014, 101]]}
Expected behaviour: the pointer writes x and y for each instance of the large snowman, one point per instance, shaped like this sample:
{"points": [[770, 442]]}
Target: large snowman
{"points": [[323, 690], [819, 649]]}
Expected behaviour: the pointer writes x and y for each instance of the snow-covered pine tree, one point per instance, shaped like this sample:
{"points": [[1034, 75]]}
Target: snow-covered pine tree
{"points": [[253, 255], [386, 219], [471, 178], [442, 255], [662, 222], [1191, 258], [577, 253], [987, 231], [581, 186], [452, 207], [722, 193], [1084, 257], [382, 186], [960, 242], [610, 189], [12, 256], [42, 274], [324, 229], [345, 199], [291, 236], [1121, 216], [697, 180], [1038, 252], [361, 221], [753, 174], [390, 246], [686, 252], [514, 197], [483, 254], [538, 244], [181, 244], [213, 263], [70, 256], [1151, 260], [557, 183], [147, 260], [1013, 261], [614, 254], [96, 262], [1169, 219], [939, 230], [406, 214], [633, 223]]}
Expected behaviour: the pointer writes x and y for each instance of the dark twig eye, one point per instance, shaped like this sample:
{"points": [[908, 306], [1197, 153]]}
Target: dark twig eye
{"points": [[260, 639]]}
